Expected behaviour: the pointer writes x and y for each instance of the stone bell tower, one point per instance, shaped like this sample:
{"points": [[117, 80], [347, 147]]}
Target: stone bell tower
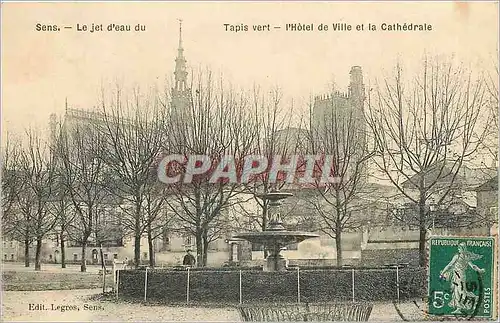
{"points": [[181, 93]]}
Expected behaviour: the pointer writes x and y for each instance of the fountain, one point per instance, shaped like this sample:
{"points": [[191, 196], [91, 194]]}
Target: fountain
{"points": [[275, 237], [276, 303]]}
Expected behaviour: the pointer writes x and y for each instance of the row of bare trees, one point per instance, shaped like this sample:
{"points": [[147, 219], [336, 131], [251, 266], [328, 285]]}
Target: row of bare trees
{"points": [[27, 174], [417, 129]]}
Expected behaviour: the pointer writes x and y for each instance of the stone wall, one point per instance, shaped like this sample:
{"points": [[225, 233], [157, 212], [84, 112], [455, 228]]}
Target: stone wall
{"points": [[380, 257]]}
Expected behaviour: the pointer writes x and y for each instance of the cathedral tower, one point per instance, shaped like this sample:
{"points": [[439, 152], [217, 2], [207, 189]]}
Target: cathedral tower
{"points": [[357, 93], [180, 92]]}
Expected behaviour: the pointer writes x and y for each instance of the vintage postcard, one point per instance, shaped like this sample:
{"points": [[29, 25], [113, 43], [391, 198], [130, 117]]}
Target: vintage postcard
{"points": [[249, 161]]}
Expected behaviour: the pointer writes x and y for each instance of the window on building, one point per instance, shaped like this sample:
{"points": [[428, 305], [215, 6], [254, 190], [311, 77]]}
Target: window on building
{"points": [[145, 255], [50, 257], [105, 256], [115, 256], [189, 240], [5, 256], [257, 247], [11, 256], [75, 257], [235, 249], [12, 244]]}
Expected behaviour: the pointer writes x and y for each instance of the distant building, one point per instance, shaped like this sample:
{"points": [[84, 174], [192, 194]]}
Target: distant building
{"points": [[180, 107], [487, 202], [338, 124], [341, 104], [467, 179], [458, 209]]}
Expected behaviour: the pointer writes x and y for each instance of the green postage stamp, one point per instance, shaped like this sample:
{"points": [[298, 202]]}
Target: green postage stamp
{"points": [[461, 276]]}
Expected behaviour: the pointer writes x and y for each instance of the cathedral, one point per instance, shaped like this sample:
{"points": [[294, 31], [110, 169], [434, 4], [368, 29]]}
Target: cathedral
{"points": [[341, 104], [181, 93]]}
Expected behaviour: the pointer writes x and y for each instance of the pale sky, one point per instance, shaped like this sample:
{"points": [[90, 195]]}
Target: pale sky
{"points": [[40, 69]]}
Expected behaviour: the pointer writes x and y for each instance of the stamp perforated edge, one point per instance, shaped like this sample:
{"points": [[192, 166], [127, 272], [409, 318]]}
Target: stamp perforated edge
{"points": [[495, 283]]}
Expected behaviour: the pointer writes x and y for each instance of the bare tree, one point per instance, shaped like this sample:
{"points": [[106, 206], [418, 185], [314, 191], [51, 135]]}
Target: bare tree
{"points": [[16, 206], [424, 129], [11, 183], [340, 178], [274, 138], [156, 219], [18, 223], [38, 174], [135, 134], [61, 206], [214, 123], [62, 209], [80, 149], [491, 142]]}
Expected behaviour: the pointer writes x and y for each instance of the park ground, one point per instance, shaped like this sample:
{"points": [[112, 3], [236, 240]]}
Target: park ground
{"points": [[15, 307]]}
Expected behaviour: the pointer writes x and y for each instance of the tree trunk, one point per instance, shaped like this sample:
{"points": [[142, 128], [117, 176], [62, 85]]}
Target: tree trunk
{"points": [[38, 261], [338, 246], [63, 251], [339, 212], [137, 249], [26, 252], [137, 237], [205, 249], [422, 232], [83, 262], [151, 247], [199, 248]]}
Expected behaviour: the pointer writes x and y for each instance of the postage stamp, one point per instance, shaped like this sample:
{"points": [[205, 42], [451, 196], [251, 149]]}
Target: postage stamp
{"points": [[461, 276]]}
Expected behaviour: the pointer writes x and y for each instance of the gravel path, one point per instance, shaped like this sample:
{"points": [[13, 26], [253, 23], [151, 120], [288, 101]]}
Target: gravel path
{"points": [[15, 307], [15, 266], [74, 305]]}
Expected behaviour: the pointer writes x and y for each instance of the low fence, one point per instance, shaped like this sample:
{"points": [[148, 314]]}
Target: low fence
{"points": [[251, 286]]}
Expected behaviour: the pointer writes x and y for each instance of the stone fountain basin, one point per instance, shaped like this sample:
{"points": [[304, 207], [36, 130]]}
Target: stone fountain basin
{"points": [[283, 237]]}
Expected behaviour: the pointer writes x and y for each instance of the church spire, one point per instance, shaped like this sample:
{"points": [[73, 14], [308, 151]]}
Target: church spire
{"points": [[180, 35], [180, 65]]}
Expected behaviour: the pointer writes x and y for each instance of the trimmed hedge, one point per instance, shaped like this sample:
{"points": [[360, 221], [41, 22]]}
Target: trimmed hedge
{"points": [[268, 286], [205, 285], [223, 286], [171, 287], [325, 285]]}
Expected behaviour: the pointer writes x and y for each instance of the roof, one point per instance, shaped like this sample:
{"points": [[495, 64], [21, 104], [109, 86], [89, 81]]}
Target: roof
{"points": [[466, 176], [490, 185]]}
